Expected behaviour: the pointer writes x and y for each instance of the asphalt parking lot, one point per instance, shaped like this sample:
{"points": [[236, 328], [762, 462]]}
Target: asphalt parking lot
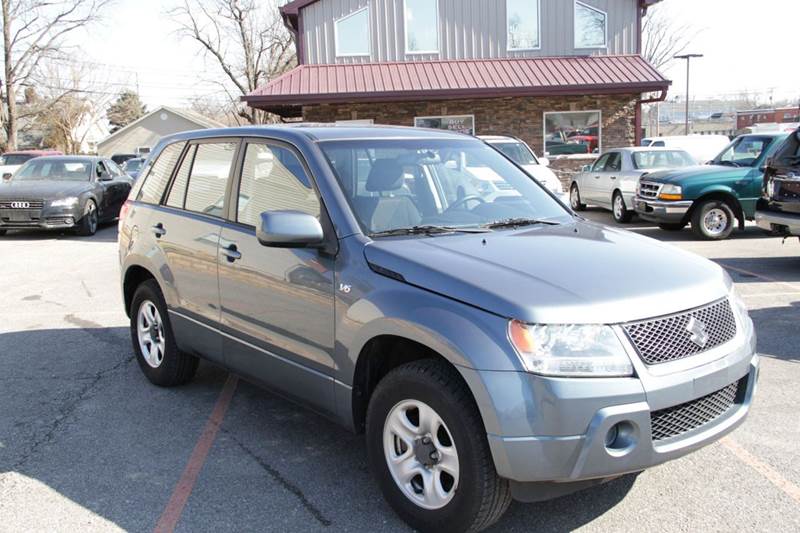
{"points": [[86, 443]]}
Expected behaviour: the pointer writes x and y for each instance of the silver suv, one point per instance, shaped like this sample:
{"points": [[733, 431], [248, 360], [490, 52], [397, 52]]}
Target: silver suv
{"points": [[490, 346]]}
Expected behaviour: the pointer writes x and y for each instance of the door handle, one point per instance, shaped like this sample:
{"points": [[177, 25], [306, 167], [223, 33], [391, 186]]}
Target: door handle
{"points": [[597, 177], [613, 177], [158, 230], [232, 253]]}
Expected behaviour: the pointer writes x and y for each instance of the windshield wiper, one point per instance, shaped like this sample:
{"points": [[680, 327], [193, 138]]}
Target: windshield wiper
{"points": [[729, 163], [427, 230], [517, 222]]}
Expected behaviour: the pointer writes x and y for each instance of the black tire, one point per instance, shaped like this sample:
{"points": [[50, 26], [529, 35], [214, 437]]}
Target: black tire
{"points": [[3, 232], [575, 198], [704, 229], [624, 215], [674, 226], [481, 496], [87, 226], [176, 367]]}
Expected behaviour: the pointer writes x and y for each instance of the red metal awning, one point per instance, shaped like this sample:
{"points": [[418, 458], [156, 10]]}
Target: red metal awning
{"points": [[440, 80]]}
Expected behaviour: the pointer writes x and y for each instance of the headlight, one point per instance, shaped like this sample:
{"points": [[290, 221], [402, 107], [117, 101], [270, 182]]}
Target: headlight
{"points": [[570, 350], [671, 192], [65, 202]]}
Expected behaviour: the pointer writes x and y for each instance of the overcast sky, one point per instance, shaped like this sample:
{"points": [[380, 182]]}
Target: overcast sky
{"points": [[747, 45]]}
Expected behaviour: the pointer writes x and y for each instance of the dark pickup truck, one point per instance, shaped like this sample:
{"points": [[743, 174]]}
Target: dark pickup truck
{"points": [[778, 210]]}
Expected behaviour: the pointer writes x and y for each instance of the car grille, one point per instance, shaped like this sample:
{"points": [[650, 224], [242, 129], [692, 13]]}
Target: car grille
{"points": [[20, 210], [666, 339], [649, 190], [680, 419]]}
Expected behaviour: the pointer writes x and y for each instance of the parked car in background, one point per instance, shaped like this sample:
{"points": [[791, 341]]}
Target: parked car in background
{"points": [[121, 158], [63, 192], [703, 148], [467, 336], [520, 153], [712, 197], [778, 210], [11, 161], [611, 181], [132, 167]]}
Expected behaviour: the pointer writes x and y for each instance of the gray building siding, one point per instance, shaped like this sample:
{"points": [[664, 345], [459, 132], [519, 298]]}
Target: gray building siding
{"points": [[468, 29]]}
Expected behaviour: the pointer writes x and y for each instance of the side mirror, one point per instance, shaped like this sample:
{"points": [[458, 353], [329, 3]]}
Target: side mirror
{"points": [[544, 161], [289, 229], [586, 168], [7, 176], [104, 176]]}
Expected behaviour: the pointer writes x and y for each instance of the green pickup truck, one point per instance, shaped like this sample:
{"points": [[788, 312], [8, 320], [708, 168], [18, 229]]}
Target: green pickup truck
{"points": [[712, 197]]}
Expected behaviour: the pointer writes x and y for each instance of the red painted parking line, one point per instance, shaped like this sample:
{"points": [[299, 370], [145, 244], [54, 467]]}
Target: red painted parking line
{"points": [[180, 495], [774, 477]]}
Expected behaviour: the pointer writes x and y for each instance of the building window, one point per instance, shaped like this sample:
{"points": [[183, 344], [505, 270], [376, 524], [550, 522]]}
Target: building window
{"points": [[422, 26], [522, 20], [572, 132], [457, 123], [590, 26], [351, 39]]}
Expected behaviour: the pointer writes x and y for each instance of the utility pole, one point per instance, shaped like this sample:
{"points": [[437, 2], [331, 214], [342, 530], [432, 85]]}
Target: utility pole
{"points": [[688, 58]]}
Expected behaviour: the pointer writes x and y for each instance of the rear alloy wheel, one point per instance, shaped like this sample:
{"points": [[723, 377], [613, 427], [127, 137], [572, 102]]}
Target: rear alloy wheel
{"points": [[575, 198], [88, 223], [427, 447], [154, 342], [713, 220], [621, 213]]}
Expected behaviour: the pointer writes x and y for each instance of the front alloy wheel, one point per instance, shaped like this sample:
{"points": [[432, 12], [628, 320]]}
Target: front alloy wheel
{"points": [[575, 198], [88, 223], [420, 454], [713, 220]]}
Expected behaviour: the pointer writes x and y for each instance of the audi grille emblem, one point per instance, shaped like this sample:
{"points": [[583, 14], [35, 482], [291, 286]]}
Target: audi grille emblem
{"points": [[698, 333], [20, 205]]}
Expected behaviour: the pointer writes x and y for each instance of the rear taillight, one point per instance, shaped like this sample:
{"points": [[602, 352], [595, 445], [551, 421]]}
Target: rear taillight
{"points": [[124, 211]]}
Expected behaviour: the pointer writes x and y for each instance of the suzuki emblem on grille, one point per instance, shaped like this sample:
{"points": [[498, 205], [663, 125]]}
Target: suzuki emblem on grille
{"points": [[20, 205], [698, 332]]}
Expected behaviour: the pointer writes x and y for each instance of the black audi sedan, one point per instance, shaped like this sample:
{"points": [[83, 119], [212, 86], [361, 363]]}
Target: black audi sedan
{"points": [[69, 192]]}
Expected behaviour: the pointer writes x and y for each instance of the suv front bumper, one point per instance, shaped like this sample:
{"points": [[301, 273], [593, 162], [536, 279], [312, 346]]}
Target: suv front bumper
{"points": [[788, 223], [560, 432], [661, 211]]}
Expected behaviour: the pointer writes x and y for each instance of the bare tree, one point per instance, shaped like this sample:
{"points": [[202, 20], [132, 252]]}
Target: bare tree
{"points": [[34, 30], [663, 37], [245, 38]]}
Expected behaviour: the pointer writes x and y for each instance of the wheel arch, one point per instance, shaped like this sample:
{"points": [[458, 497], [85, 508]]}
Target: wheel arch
{"points": [[720, 194], [135, 275]]}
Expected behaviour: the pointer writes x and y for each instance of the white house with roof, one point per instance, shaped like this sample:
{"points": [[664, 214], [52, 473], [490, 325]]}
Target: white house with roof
{"points": [[140, 136]]}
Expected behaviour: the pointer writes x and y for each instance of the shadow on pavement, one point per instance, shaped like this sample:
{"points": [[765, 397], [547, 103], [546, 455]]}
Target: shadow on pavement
{"points": [[776, 328], [748, 269]]}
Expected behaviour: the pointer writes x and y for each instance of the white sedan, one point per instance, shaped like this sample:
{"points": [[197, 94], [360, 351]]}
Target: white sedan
{"points": [[520, 153], [611, 181]]}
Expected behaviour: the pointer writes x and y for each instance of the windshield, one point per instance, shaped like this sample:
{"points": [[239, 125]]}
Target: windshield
{"points": [[744, 151], [662, 159], [396, 184], [15, 159], [52, 168], [133, 164], [517, 152]]}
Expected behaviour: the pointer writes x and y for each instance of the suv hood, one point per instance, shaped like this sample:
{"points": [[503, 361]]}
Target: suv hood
{"points": [[44, 189], [578, 272], [678, 175]]}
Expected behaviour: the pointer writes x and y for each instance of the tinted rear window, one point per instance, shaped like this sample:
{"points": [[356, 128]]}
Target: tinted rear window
{"points": [[160, 172]]}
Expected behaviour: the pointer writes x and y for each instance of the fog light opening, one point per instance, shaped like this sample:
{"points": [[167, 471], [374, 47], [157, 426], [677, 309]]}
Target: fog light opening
{"points": [[621, 438]]}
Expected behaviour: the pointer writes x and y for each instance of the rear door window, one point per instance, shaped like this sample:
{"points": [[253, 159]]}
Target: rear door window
{"points": [[157, 178], [208, 179], [614, 163], [177, 193]]}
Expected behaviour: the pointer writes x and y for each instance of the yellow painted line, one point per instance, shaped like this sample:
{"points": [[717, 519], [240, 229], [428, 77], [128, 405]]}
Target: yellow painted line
{"points": [[774, 477]]}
